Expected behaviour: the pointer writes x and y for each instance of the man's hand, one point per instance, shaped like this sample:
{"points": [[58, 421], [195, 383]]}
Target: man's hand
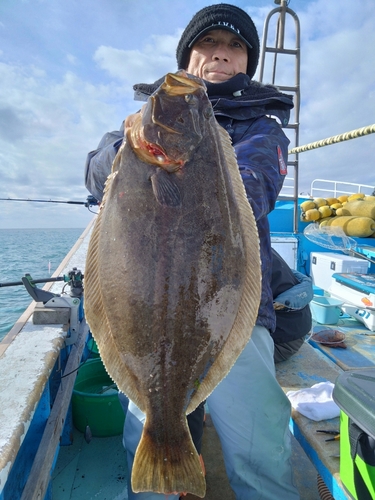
{"points": [[278, 306], [129, 121]]}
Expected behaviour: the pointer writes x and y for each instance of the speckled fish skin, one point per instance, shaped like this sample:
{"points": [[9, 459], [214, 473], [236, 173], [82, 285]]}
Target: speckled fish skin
{"points": [[172, 279]]}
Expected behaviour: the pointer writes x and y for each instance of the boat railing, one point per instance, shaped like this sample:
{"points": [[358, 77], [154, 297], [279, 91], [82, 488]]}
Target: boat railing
{"points": [[324, 188], [288, 189]]}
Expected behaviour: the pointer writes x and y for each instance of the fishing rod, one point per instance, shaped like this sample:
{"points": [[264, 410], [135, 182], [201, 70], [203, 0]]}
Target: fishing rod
{"points": [[32, 281], [90, 201], [74, 278]]}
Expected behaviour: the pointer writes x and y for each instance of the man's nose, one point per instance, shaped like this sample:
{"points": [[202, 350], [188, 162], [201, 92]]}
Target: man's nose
{"points": [[221, 53]]}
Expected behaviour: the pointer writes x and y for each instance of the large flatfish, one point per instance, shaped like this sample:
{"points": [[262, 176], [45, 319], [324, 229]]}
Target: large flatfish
{"points": [[172, 279]]}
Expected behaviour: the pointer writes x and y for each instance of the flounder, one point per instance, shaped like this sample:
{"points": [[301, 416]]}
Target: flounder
{"points": [[172, 279]]}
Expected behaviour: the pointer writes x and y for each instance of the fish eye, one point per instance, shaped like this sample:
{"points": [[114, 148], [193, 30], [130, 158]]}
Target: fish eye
{"points": [[207, 112]]}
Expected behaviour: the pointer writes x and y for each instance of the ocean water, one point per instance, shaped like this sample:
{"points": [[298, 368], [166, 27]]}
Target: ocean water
{"points": [[37, 252]]}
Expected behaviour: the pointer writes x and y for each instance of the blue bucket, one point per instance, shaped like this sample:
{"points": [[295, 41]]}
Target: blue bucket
{"points": [[326, 310]]}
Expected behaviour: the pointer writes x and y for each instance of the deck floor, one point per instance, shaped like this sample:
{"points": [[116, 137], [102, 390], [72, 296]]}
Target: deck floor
{"points": [[80, 476]]}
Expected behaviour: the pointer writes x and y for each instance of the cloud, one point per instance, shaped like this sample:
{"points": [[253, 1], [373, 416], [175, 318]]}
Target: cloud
{"points": [[132, 66], [56, 103], [54, 123], [72, 59], [12, 127]]}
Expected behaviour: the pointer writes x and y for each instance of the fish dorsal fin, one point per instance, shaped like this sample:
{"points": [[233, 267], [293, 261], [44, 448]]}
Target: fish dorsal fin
{"points": [[95, 311], [249, 305]]}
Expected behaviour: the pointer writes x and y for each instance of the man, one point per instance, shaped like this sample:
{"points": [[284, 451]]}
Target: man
{"points": [[292, 292], [248, 408]]}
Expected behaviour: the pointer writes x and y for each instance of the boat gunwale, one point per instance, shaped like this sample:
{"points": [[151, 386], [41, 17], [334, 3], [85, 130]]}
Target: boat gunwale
{"points": [[46, 342], [25, 316]]}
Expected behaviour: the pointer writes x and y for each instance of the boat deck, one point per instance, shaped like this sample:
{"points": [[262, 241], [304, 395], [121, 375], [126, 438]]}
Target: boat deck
{"points": [[78, 477], [79, 474]]}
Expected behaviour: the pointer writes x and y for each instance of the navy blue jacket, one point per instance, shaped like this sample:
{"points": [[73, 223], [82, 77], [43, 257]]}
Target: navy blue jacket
{"points": [[245, 108]]}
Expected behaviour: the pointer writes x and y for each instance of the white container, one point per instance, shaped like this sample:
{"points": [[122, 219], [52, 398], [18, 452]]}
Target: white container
{"points": [[287, 247], [358, 290], [324, 264], [365, 316], [358, 293]]}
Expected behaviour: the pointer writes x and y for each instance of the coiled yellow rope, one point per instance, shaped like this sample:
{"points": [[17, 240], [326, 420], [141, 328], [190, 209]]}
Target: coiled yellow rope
{"points": [[353, 134]]}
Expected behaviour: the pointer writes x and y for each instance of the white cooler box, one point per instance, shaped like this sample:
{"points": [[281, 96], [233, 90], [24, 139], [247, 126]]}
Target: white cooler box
{"points": [[324, 264], [358, 293]]}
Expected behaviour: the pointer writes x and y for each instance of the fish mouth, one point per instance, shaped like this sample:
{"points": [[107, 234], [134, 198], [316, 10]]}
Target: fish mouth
{"points": [[180, 83], [161, 158]]}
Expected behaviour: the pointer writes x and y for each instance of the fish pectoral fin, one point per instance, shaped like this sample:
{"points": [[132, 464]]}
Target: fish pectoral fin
{"points": [[165, 189]]}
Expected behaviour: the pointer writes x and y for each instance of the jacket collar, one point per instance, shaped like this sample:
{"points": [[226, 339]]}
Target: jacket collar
{"points": [[238, 98]]}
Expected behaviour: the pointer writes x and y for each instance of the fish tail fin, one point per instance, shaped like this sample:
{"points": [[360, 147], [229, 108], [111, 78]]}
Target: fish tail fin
{"points": [[175, 468]]}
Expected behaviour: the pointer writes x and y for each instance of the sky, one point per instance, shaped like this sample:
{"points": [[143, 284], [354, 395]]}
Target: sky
{"points": [[67, 68]]}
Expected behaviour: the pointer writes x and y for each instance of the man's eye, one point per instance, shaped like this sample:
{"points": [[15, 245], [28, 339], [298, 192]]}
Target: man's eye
{"points": [[237, 44]]}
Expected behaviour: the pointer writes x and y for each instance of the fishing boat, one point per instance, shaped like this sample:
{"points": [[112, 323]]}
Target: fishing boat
{"points": [[62, 439]]}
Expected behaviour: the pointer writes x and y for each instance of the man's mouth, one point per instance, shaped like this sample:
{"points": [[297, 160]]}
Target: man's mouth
{"points": [[218, 71]]}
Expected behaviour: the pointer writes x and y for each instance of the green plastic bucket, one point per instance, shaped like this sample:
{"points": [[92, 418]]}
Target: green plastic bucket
{"points": [[93, 348], [95, 401]]}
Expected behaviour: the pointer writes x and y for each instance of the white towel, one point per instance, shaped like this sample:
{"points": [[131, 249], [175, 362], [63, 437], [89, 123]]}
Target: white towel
{"points": [[315, 402]]}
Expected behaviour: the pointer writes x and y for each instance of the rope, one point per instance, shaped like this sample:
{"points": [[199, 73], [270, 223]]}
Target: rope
{"points": [[353, 134], [323, 491]]}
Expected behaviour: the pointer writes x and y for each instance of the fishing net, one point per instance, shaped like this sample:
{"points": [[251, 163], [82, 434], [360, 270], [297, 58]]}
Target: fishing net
{"points": [[329, 237], [333, 238]]}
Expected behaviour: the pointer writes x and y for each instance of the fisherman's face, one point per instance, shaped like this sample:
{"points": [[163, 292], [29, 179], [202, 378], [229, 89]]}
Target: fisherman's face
{"points": [[218, 56]]}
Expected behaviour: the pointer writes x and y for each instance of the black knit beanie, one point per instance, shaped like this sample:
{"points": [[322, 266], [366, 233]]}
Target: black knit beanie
{"points": [[220, 16]]}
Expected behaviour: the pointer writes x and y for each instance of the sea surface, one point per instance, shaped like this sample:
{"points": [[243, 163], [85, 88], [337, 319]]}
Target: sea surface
{"points": [[37, 252]]}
